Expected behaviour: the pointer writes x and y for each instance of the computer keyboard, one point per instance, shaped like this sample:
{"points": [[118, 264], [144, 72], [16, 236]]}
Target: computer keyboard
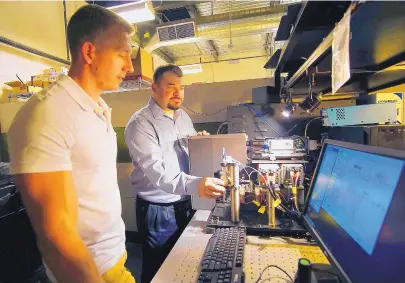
{"points": [[222, 261]]}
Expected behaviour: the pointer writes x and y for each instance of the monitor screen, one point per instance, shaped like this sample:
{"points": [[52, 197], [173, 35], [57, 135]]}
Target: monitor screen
{"points": [[356, 209]]}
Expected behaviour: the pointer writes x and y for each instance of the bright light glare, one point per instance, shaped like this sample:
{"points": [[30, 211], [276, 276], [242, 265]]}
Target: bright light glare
{"points": [[286, 113], [191, 69], [135, 12]]}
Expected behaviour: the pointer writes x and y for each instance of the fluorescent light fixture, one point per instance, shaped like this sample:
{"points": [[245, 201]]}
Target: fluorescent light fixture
{"points": [[135, 12], [191, 69]]}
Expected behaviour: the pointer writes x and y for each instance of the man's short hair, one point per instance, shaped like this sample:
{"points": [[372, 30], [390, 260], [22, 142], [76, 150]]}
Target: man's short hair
{"points": [[159, 72], [89, 22]]}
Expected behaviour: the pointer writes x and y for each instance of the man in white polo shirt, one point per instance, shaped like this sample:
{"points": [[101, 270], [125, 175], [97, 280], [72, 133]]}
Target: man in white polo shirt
{"points": [[63, 156]]}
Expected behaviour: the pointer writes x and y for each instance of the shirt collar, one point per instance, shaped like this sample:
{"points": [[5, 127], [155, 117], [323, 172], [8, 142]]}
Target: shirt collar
{"points": [[82, 98], [157, 111], [77, 93]]}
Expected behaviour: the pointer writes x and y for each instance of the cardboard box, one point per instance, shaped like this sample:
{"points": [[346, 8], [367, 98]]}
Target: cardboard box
{"points": [[206, 156]]}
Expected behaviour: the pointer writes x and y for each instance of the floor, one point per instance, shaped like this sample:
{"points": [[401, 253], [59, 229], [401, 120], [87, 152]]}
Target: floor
{"points": [[134, 260]]}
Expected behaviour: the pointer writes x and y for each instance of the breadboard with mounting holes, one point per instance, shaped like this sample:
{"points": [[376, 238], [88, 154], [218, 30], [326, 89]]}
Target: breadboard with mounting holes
{"points": [[181, 266], [282, 252]]}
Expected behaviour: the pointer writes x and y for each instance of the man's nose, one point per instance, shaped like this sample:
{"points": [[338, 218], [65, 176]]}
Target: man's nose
{"points": [[129, 67]]}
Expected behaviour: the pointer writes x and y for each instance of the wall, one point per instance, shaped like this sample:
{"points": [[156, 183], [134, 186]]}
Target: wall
{"points": [[207, 98], [243, 69], [37, 24]]}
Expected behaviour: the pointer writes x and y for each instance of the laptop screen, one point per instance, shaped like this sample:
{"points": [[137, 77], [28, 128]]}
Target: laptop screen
{"points": [[356, 210]]}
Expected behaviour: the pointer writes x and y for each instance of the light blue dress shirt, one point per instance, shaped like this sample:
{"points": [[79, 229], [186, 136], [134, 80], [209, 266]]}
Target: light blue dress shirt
{"points": [[158, 145]]}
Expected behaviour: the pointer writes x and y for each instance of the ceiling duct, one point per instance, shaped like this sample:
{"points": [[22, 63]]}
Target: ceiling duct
{"points": [[245, 22], [177, 31]]}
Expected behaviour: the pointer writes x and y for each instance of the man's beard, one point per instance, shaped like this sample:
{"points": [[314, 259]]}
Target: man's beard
{"points": [[173, 107]]}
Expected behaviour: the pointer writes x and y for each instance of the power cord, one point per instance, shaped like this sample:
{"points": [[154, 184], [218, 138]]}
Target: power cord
{"points": [[220, 127], [296, 125], [209, 114], [307, 125], [275, 266]]}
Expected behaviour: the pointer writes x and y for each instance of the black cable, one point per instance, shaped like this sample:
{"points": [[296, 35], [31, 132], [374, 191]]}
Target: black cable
{"points": [[270, 278], [307, 125], [206, 114], [299, 123], [275, 266]]}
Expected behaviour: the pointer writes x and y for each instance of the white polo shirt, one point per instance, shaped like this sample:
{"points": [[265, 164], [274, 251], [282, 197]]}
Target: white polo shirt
{"points": [[63, 129]]}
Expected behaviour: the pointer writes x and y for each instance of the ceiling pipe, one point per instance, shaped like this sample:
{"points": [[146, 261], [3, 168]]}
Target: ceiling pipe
{"points": [[34, 51], [265, 13]]}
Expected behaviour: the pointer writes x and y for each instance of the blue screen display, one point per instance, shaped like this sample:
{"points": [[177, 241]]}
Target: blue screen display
{"points": [[350, 205]]}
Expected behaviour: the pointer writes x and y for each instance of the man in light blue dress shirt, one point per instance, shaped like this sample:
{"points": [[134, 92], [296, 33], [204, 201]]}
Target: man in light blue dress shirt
{"points": [[156, 137]]}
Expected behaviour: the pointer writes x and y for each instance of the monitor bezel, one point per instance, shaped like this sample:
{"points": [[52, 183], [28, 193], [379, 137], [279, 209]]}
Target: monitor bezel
{"points": [[359, 147]]}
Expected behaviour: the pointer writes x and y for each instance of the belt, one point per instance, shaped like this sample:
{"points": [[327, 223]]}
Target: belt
{"points": [[176, 203]]}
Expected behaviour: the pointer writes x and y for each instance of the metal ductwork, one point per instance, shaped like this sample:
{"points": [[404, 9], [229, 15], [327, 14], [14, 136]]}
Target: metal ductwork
{"points": [[238, 23], [241, 27], [265, 13]]}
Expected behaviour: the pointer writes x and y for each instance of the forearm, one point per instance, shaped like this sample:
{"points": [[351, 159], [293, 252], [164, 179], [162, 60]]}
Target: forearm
{"points": [[68, 258], [179, 184]]}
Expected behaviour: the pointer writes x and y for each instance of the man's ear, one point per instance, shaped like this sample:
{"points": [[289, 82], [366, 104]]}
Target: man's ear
{"points": [[154, 87], [88, 51]]}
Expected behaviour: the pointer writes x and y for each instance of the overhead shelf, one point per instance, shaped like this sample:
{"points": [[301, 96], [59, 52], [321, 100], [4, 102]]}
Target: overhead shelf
{"points": [[377, 52], [304, 27], [130, 85]]}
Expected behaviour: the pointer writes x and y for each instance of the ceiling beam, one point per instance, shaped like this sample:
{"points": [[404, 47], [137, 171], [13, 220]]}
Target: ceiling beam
{"points": [[199, 50], [159, 18], [192, 11], [214, 50]]}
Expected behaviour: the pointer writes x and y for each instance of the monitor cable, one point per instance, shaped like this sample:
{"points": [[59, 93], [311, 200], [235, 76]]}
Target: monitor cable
{"points": [[274, 266]]}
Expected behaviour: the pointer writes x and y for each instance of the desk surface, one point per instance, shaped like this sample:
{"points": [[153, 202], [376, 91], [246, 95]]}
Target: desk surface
{"points": [[181, 266]]}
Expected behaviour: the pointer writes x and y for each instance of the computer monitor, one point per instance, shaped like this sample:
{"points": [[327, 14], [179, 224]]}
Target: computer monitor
{"points": [[356, 211]]}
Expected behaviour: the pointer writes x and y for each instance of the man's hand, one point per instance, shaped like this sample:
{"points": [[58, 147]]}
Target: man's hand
{"points": [[211, 188], [203, 133]]}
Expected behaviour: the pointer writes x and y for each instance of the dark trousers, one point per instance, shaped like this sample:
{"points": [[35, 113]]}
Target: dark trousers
{"points": [[160, 226]]}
